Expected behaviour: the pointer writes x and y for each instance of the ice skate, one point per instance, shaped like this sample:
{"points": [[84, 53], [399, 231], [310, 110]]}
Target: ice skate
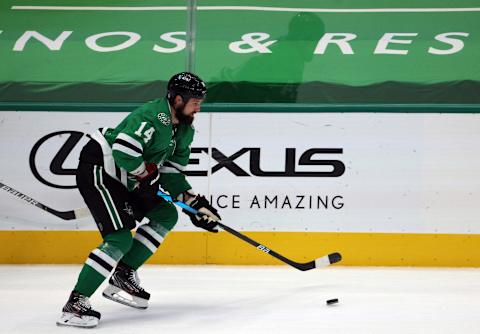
{"points": [[124, 288], [77, 312]]}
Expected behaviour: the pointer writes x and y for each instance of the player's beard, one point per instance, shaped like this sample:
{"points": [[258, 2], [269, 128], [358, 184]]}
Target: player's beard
{"points": [[182, 118]]}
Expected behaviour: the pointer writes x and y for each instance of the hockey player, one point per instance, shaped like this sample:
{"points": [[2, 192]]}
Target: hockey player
{"points": [[119, 174]]}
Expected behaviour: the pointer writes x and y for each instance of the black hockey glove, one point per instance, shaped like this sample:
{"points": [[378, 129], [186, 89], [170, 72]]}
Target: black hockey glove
{"points": [[149, 184], [209, 220]]}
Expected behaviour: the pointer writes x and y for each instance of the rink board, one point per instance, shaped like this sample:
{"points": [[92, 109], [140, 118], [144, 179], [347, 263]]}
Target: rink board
{"points": [[358, 249], [384, 189]]}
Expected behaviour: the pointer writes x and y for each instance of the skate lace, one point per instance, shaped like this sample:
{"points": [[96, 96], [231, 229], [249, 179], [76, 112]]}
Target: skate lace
{"points": [[83, 302], [134, 279]]}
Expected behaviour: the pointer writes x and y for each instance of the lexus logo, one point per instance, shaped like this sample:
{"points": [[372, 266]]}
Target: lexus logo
{"points": [[311, 161], [57, 162]]}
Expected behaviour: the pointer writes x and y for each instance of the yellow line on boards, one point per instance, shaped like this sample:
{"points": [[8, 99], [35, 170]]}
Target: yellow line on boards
{"points": [[358, 249]]}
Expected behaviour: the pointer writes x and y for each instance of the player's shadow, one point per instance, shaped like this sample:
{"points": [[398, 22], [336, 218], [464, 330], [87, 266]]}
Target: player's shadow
{"points": [[275, 76]]}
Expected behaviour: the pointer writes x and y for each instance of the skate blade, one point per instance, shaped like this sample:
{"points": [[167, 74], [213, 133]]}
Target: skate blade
{"points": [[118, 295], [73, 320]]}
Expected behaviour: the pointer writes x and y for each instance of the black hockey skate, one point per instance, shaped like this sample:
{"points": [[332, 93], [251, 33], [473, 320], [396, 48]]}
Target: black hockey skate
{"points": [[78, 312], [124, 288]]}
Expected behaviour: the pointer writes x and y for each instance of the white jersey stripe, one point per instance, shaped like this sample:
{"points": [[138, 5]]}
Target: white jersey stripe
{"points": [[126, 150], [176, 165], [152, 233], [123, 177], [119, 220], [164, 169], [130, 140], [147, 243], [96, 182], [108, 162], [105, 257], [139, 170], [102, 271]]}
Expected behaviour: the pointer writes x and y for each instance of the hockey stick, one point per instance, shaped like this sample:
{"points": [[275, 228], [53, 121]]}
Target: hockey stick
{"points": [[65, 215], [320, 262]]}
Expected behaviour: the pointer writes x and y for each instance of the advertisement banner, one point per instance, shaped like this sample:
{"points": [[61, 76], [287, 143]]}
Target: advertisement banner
{"points": [[374, 173], [355, 52]]}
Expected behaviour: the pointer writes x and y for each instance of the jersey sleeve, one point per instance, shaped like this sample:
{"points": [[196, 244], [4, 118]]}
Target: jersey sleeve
{"points": [[129, 144], [172, 178], [171, 174]]}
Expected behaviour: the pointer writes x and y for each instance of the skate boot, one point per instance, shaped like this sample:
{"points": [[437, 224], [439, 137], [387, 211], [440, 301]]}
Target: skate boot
{"points": [[78, 312], [124, 288]]}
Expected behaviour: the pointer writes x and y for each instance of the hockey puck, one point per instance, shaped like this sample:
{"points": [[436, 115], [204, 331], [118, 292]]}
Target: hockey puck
{"points": [[332, 301]]}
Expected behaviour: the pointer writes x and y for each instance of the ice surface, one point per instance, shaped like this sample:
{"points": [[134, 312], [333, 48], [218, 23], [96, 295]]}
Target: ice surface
{"points": [[277, 299]]}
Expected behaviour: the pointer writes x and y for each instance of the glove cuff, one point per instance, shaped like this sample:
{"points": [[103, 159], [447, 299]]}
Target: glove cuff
{"points": [[150, 168], [190, 194]]}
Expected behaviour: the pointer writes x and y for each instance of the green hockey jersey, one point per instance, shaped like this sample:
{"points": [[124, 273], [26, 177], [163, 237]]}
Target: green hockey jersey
{"points": [[147, 135]]}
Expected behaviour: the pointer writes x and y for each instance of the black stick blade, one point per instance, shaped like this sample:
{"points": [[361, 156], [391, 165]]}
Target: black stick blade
{"points": [[327, 260], [334, 258]]}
